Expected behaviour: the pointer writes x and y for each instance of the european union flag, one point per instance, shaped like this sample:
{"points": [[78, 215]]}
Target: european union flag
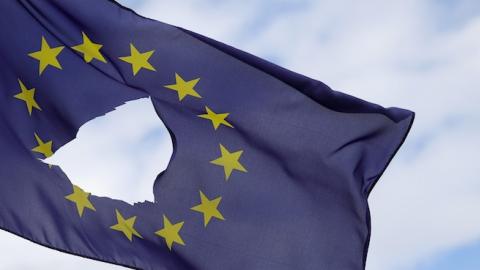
{"points": [[271, 169]]}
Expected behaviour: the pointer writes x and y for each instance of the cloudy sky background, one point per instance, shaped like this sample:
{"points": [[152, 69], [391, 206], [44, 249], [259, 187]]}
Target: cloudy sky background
{"points": [[423, 55]]}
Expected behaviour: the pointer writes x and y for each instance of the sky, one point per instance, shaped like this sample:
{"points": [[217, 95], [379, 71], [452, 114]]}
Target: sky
{"points": [[423, 55]]}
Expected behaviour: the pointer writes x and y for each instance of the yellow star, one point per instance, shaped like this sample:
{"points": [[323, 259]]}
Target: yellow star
{"points": [[80, 198], [27, 95], [229, 161], [42, 147], [216, 118], [90, 50], [171, 232], [47, 56], [138, 60], [208, 208], [184, 88], [126, 226]]}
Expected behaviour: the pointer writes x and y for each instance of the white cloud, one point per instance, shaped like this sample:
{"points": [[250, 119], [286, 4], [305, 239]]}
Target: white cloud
{"points": [[426, 204], [118, 155]]}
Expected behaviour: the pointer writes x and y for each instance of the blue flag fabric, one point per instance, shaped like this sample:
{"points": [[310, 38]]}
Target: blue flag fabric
{"points": [[270, 170]]}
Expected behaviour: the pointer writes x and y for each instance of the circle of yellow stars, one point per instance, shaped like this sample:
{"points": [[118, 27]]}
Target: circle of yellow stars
{"points": [[47, 56]]}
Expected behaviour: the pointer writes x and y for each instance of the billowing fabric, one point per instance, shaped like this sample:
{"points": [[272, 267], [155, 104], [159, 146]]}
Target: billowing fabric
{"points": [[270, 170]]}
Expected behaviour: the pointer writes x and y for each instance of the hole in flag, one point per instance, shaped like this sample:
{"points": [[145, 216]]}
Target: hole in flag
{"points": [[118, 155]]}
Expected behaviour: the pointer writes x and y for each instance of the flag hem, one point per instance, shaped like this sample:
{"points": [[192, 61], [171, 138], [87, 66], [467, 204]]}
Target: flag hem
{"points": [[374, 182], [65, 251]]}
